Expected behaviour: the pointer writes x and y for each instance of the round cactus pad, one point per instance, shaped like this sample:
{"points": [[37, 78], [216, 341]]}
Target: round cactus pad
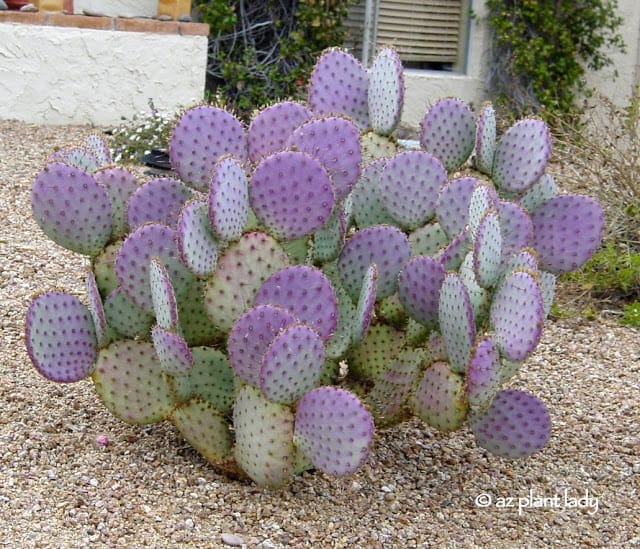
{"points": [[384, 245], [485, 139], [483, 374], [125, 317], [457, 324], [368, 208], [201, 136], [78, 157], [454, 253], [338, 85], [521, 155], [197, 245], [516, 227], [291, 194], [566, 231], [386, 91], [541, 191], [229, 199], [379, 347], [419, 286], [264, 438], [427, 240], [366, 304], [120, 184], [452, 206], [487, 250], [172, 350], [328, 239], [335, 142], [128, 379], [204, 428], [251, 336], [241, 271], [307, 293], [270, 128], [72, 209], [517, 314], [163, 297], [60, 337], [516, 425], [158, 201], [448, 131], [409, 186], [439, 399], [292, 364], [132, 263], [103, 266], [333, 429]]}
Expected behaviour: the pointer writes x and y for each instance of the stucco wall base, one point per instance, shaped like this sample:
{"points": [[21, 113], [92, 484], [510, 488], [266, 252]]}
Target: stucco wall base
{"points": [[62, 75]]}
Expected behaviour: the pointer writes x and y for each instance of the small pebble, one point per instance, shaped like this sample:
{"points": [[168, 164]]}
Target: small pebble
{"points": [[232, 540]]}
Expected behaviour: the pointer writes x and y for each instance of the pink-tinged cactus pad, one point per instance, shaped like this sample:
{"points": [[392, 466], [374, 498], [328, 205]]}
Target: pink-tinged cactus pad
{"points": [[409, 187], [448, 131], [452, 256], [368, 208], [305, 292], [125, 317], [251, 336], [197, 245], [516, 227], [165, 306], [98, 147], [483, 374], [455, 314], [386, 91], [291, 193], [200, 138], [485, 139], [157, 201], [517, 314], [439, 399], [120, 184], [386, 246], [339, 342], [173, 352], [96, 308], [241, 271], [204, 428], [521, 155], [516, 425], [292, 364], [487, 250], [566, 231], [129, 381], [229, 199], [72, 209], [334, 430], [366, 304], [335, 142], [264, 438], [525, 260], [271, 127], [134, 256], [60, 337], [78, 157], [452, 206], [419, 286], [541, 191], [338, 85]]}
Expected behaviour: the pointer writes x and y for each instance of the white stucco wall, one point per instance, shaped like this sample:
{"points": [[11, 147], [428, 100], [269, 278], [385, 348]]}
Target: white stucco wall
{"points": [[117, 8], [56, 75]]}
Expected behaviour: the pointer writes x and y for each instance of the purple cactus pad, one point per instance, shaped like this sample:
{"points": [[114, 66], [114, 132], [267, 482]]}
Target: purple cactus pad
{"points": [[229, 199], [99, 148], [452, 256], [163, 297], [366, 304], [386, 91], [333, 429], [452, 206], [173, 352], [96, 309], [157, 201], [516, 425], [485, 139], [516, 227], [487, 250], [120, 184], [483, 374], [419, 286], [197, 245]]}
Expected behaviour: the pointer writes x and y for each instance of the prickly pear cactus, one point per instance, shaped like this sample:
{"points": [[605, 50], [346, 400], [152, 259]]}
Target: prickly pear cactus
{"points": [[305, 279]]}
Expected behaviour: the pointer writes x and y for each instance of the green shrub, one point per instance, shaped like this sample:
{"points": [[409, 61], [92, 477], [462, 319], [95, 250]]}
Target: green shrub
{"points": [[631, 315]]}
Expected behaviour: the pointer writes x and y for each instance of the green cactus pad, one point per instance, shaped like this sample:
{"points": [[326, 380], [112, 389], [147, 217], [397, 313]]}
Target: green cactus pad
{"points": [[386, 91], [508, 369], [516, 425], [339, 342], [125, 317], [241, 271], [132, 263], [485, 139], [427, 240], [60, 337], [457, 324], [384, 245], [448, 131], [409, 186], [99, 148], [120, 184], [478, 295], [172, 350], [380, 346], [202, 426], [163, 297], [129, 381], [333, 429], [158, 201], [391, 311], [547, 282], [487, 250], [292, 364], [264, 438], [541, 191], [78, 157], [517, 314], [104, 268], [72, 209], [367, 205], [96, 308], [229, 199], [197, 245], [419, 285], [210, 378], [329, 239], [439, 398], [483, 199], [291, 194], [365, 306], [196, 326], [483, 374], [452, 206], [375, 146]]}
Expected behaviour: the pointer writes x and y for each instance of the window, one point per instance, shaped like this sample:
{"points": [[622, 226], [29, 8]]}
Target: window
{"points": [[428, 34]]}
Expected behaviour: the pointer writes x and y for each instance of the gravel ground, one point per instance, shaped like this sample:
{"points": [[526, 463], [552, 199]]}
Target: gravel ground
{"points": [[147, 488]]}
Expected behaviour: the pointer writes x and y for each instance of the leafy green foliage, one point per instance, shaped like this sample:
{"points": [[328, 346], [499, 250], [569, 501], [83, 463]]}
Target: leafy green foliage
{"points": [[631, 316], [541, 49]]}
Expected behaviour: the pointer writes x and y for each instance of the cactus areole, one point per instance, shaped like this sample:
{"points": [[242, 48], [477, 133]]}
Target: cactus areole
{"points": [[306, 280]]}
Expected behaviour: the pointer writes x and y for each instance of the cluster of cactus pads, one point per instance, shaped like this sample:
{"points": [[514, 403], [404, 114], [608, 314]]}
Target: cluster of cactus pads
{"points": [[307, 278]]}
